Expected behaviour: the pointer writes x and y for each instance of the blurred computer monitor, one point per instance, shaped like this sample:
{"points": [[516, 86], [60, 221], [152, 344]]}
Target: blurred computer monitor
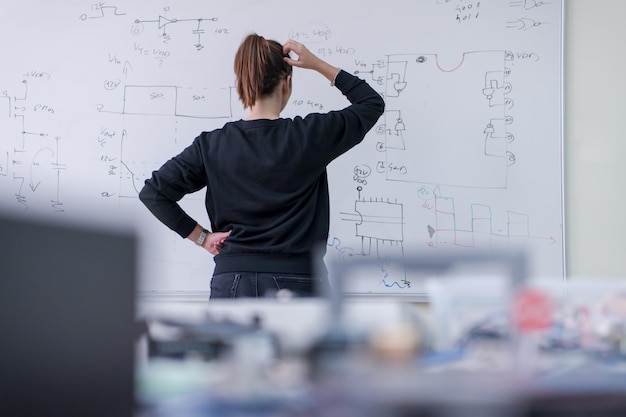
{"points": [[66, 320]]}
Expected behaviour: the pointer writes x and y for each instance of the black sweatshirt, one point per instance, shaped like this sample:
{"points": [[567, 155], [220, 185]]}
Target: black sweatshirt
{"points": [[266, 181]]}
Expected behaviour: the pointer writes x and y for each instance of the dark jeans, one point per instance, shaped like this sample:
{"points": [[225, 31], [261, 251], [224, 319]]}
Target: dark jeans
{"points": [[262, 284]]}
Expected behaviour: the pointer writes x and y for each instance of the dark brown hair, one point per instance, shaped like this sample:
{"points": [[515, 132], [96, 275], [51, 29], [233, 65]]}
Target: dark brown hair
{"points": [[259, 67]]}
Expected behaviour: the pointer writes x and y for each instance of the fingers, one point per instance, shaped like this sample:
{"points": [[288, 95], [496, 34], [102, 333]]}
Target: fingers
{"points": [[217, 242], [292, 45], [302, 54], [214, 247], [292, 62]]}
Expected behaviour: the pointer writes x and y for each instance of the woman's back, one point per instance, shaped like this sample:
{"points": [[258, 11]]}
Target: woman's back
{"points": [[265, 177]]}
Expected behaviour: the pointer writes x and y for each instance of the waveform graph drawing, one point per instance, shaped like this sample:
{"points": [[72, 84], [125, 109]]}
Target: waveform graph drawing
{"points": [[152, 100], [168, 100], [482, 229], [160, 121]]}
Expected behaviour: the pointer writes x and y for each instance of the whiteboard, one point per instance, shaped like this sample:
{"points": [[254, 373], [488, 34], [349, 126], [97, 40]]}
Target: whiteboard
{"points": [[94, 96]]}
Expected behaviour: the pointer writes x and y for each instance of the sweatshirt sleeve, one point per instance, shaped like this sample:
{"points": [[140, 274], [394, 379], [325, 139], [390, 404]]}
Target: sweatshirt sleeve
{"points": [[358, 91], [343, 129], [179, 176], [365, 101]]}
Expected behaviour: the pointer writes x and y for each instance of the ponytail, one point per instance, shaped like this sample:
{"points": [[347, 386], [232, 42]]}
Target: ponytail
{"points": [[259, 67]]}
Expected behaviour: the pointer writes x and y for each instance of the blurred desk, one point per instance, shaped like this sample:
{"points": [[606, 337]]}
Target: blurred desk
{"points": [[350, 380]]}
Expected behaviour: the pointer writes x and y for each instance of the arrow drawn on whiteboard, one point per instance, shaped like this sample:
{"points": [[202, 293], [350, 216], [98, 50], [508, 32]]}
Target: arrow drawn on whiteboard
{"points": [[126, 67], [33, 186]]}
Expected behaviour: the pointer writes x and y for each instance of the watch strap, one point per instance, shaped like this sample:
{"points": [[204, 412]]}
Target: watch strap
{"points": [[202, 237]]}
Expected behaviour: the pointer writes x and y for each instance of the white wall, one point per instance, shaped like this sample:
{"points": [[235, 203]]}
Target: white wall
{"points": [[595, 143]]}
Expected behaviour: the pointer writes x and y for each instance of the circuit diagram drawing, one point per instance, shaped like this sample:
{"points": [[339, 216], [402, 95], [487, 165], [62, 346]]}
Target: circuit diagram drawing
{"points": [[440, 116], [447, 123], [379, 226], [376, 221], [524, 24], [527, 20], [528, 4], [164, 23], [31, 167]]}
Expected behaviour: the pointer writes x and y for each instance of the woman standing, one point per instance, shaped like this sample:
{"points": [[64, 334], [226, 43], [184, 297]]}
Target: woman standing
{"points": [[265, 176]]}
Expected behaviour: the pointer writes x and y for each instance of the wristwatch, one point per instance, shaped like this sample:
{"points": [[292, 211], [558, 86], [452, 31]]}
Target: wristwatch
{"points": [[202, 237]]}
